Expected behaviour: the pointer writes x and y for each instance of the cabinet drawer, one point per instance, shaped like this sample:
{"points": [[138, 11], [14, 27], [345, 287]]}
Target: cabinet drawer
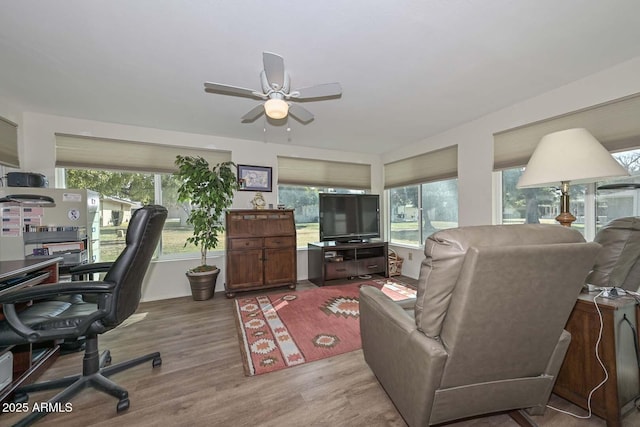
{"points": [[372, 265], [279, 242], [245, 243], [339, 270]]}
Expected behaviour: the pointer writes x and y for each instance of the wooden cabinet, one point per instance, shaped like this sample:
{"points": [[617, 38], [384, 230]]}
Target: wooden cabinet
{"points": [[581, 370], [332, 260], [261, 250]]}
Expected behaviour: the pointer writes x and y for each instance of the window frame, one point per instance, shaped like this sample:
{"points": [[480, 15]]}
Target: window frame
{"points": [[420, 209]]}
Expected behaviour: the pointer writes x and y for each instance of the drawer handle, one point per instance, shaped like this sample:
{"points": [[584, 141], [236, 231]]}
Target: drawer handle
{"points": [[372, 266], [341, 269]]}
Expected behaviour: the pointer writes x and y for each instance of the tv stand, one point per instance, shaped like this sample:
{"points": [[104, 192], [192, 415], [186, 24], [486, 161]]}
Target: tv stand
{"points": [[341, 260]]}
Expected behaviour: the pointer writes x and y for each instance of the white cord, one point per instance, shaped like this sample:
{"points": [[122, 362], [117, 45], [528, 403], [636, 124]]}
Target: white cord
{"points": [[606, 374]]}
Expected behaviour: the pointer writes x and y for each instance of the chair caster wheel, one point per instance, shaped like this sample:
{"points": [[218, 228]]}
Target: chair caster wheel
{"points": [[157, 361], [107, 361], [20, 398], [123, 405]]}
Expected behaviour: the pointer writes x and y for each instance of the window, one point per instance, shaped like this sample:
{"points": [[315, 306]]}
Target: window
{"points": [[123, 192], [624, 198], [304, 200], [142, 175], [538, 205], [416, 211], [531, 205]]}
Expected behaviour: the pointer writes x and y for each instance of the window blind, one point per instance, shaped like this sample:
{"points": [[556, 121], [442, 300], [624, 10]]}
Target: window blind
{"points": [[9, 143], [73, 151], [428, 167], [616, 124], [323, 173]]}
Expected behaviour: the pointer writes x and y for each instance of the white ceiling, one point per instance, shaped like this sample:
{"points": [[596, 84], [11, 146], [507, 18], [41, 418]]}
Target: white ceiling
{"points": [[409, 69]]}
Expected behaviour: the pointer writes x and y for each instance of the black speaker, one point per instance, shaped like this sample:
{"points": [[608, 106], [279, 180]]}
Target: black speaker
{"points": [[26, 179]]}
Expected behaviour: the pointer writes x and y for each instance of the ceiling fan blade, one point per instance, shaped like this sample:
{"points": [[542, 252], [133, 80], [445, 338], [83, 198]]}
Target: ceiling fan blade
{"points": [[300, 113], [253, 114], [274, 69], [231, 90], [326, 90]]}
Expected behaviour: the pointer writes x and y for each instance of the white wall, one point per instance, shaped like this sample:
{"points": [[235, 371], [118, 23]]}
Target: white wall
{"points": [[475, 157], [475, 139], [166, 279]]}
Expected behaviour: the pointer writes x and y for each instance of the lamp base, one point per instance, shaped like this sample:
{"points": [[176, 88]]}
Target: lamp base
{"points": [[565, 218]]}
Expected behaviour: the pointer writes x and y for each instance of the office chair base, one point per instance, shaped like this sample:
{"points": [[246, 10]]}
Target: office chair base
{"points": [[95, 373]]}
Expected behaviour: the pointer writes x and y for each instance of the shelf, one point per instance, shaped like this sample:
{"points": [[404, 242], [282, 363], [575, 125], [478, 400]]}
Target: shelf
{"points": [[54, 236]]}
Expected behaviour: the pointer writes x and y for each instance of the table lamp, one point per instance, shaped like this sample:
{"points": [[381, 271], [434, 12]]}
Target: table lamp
{"points": [[572, 155]]}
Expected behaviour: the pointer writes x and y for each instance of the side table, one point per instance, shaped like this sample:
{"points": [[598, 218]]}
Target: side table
{"points": [[581, 371]]}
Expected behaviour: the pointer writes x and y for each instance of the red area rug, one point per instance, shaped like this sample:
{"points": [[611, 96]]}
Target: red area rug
{"points": [[281, 330]]}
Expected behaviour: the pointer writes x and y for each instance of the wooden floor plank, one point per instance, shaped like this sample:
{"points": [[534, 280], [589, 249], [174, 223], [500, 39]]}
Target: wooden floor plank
{"points": [[201, 381]]}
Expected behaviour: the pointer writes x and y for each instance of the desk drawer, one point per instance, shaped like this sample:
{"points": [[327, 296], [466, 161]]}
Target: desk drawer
{"points": [[252, 243], [279, 242]]}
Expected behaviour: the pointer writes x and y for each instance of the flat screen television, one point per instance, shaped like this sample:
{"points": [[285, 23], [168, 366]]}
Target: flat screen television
{"points": [[349, 217]]}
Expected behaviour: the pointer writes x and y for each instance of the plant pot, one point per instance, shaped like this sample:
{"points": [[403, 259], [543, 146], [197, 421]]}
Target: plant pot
{"points": [[203, 284]]}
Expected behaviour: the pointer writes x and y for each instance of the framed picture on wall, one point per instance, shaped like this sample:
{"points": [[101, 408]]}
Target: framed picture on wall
{"points": [[254, 178]]}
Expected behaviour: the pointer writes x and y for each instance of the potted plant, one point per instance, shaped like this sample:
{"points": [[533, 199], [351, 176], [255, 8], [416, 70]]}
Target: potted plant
{"points": [[209, 190]]}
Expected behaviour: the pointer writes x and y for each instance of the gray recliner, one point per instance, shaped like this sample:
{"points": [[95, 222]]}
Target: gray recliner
{"points": [[487, 333], [618, 263]]}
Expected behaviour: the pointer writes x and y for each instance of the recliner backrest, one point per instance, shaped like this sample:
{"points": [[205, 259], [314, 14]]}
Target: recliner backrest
{"points": [[445, 253], [498, 297], [508, 309], [618, 263], [129, 269]]}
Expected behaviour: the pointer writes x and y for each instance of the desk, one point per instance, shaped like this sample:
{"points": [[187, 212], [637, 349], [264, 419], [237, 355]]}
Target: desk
{"points": [[26, 368], [581, 371]]}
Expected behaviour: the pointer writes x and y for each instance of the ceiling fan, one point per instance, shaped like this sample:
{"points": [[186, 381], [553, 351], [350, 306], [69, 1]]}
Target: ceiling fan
{"points": [[276, 92]]}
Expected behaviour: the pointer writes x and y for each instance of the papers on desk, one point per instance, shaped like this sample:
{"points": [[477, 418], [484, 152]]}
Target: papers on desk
{"points": [[63, 247]]}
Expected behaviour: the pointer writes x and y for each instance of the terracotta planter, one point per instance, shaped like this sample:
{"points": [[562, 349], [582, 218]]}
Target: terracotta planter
{"points": [[203, 284]]}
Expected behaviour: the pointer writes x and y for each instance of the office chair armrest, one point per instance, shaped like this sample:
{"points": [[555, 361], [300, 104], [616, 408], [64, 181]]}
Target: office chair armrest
{"points": [[33, 336], [96, 267], [51, 290]]}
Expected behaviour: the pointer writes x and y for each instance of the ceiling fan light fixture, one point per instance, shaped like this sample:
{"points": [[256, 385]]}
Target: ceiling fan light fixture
{"points": [[276, 108]]}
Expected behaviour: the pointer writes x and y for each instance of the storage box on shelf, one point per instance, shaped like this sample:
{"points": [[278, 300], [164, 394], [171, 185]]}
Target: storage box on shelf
{"points": [[68, 242]]}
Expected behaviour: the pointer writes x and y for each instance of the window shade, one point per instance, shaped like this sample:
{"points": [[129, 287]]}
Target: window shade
{"points": [[616, 124], [323, 173], [103, 153], [9, 143], [432, 166]]}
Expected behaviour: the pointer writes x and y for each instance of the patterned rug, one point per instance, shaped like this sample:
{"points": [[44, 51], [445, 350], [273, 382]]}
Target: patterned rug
{"points": [[281, 330]]}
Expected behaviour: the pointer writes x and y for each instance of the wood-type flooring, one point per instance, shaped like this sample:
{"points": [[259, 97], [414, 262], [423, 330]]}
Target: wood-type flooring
{"points": [[201, 381]]}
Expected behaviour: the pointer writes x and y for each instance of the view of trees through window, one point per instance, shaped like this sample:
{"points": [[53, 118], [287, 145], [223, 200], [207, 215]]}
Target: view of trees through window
{"points": [[123, 192], [304, 200], [416, 211]]}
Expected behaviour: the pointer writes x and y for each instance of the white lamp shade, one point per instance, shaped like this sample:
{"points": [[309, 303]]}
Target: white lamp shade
{"points": [[276, 108], [572, 155]]}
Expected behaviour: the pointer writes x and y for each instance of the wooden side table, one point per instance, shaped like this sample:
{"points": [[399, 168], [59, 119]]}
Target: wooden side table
{"points": [[581, 371]]}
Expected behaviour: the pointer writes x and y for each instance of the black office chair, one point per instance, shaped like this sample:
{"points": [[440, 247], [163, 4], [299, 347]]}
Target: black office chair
{"points": [[117, 296]]}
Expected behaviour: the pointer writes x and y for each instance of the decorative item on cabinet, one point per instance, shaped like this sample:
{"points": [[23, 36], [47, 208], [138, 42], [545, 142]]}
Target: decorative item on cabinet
{"points": [[258, 201]]}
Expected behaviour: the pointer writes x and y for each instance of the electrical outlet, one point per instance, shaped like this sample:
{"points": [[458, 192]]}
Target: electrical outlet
{"points": [[410, 256]]}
